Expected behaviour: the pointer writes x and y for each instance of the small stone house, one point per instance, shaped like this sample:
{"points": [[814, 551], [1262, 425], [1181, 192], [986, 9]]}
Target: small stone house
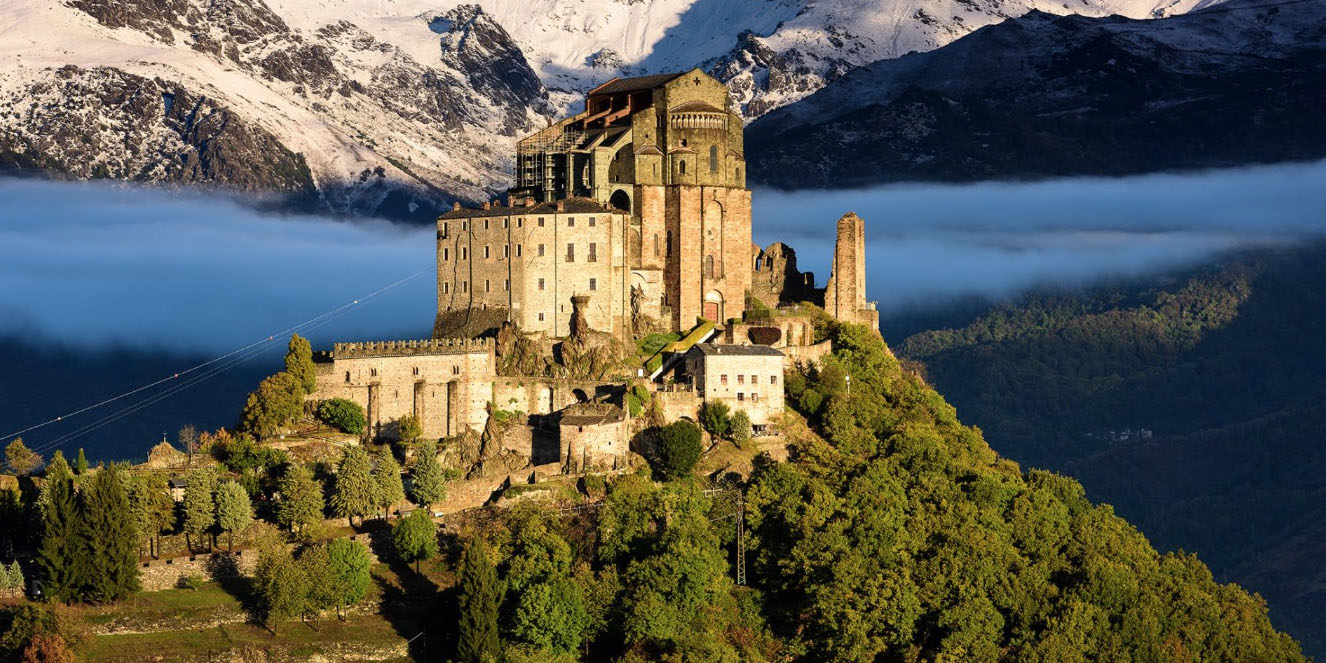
{"points": [[745, 377], [594, 437]]}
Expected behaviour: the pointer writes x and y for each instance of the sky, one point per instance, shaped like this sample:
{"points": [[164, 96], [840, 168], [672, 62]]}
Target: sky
{"points": [[90, 265]]}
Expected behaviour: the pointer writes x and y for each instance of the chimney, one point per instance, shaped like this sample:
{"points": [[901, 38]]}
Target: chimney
{"points": [[509, 202], [487, 205], [529, 201], [561, 206], [455, 207]]}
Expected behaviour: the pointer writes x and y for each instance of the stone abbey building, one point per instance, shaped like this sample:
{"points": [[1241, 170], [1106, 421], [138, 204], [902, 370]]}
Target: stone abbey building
{"points": [[639, 203]]}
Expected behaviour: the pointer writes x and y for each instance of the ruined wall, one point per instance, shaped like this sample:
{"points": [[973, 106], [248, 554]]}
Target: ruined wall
{"points": [[775, 279], [845, 295], [446, 383]]}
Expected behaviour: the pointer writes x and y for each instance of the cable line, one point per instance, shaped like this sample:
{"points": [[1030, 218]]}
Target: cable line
{"points": [[248, 351]]}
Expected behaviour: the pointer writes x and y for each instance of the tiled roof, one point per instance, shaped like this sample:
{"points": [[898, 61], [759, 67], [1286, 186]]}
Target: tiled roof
{"points": [[618, 85], [695, 106]]}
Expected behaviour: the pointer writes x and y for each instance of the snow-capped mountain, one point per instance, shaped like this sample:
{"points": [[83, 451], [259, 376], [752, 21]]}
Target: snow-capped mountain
{"points": [[393, 107], [1243, 82]]}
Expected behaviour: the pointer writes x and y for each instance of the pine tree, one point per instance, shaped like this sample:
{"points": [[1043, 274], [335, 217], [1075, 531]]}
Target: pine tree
{"points": [[299, 363], [429, 485], [387, 480], [356, 492], [80, 464], [60, 558], [199, 504], [233, 510], [109, 538], [478, 598], [20, 459], [301, 503], [13, 576]]}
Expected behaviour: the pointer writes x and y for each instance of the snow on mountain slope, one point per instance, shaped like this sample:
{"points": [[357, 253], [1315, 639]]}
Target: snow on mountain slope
{"points": [[394, 107]]}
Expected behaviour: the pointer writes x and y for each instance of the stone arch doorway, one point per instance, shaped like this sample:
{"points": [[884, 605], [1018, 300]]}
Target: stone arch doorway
{"points": [[620, 200], [580, 395], [713, 306]]}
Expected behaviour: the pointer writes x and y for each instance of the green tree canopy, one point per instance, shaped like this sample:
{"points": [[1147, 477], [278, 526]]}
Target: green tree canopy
{"points": [[348, 577], [356, 492], [20, 459], [740, 429], [410, 428], [389, 488], [415, 537], [428, 485], [716, 419], [153, 507], [342, 414], [278, 402], [234, 512], [479, 595], [110, 538], [61, 557], [280, 584], [199, 504], [299, 364], [300, 503], [80, 464], [679, 449]]}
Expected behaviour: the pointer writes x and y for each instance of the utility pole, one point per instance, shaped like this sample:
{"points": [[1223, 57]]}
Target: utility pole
{"points": [[741, 539]]}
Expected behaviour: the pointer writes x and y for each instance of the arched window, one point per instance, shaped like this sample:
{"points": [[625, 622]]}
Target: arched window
{"points": [[669, 247], [709, 266], [683, 167], [713, 158], [655, 245]]}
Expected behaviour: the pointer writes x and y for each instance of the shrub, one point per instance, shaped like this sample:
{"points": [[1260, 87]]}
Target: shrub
{"points": [[343, 414], [636, 399], [678, 449], [740, 428], [192, 581], [410, 428], [716, 419]]}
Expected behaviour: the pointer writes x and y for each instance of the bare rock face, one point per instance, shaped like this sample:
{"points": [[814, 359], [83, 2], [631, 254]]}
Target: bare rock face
{"points": [[493, 63], [105, 123]]}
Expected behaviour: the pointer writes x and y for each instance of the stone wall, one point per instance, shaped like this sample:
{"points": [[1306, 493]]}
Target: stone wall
{"points": [[446, 383], [775, 279], [845, 295], [162, 574]]}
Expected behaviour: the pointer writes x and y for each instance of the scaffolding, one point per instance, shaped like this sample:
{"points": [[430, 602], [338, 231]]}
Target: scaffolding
{"points": [[543, 159]]}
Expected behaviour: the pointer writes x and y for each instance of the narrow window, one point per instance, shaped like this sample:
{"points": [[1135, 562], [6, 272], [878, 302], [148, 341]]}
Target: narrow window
{"points": [[540, 222], [464, 225], [709, 266], [570, 222], [464, 253], [506, 223], [741, 396], [464, 286], [722, 379], [487, 285], [446, 255], [540, 284], [446, 288], [593, 284], [754, 380], [713, 158], [485, 251], [669, 254], [506, 285], [518, 251], [373, 372], [416, 370], [445, 226], [592, 221], [741, 379], [506, 250], [485, 224], [593, 252], [540, 250], [683, 166], [570, 252], [347, 376], [773, 379], [683, 142], [655, 245], [520, 223], [540, 317]]}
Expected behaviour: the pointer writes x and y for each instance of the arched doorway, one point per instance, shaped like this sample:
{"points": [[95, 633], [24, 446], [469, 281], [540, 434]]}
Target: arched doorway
{"points": [[620, 200], [713, 306]]}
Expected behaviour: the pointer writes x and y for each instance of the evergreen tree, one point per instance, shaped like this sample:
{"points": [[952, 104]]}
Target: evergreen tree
{"points": [[478, 599], [199, 504], [387, 480], [279, 584], [20, 459], [300, 503], [299, 364], [356, 492], [109, 538], [153, 508], [348, 576], [415, 537], [60, 558], [234, 512], [740, 430], [80, 464], [278, 402], [14, 582], [429, 484]]}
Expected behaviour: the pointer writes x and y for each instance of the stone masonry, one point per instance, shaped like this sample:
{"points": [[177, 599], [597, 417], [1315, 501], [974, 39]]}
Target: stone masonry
{"points": [[845, 296]]}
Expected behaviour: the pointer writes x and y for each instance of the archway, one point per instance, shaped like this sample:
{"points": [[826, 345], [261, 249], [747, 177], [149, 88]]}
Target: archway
{"points": [[713, 306], [580, 395], [620, 200]]}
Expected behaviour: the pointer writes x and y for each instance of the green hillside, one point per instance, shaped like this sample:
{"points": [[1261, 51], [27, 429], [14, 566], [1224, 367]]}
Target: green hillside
{"points": [[1193, 403]]}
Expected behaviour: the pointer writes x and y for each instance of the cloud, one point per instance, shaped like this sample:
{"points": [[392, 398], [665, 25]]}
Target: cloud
{"points": [[932, 243], [94, 264]]}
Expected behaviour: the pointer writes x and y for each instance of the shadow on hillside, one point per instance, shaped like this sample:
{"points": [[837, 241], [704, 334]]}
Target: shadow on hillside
{"points": [[415, 608]]}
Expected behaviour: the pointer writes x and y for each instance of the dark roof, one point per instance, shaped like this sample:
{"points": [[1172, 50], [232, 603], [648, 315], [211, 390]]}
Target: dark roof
{"points": [[618, 85], [591, 414], [572, 206], [714, 349]]}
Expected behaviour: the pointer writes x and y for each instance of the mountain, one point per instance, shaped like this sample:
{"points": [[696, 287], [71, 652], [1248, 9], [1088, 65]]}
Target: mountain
{"points": [[1191, 402], [364, 107], [1045, 95]]}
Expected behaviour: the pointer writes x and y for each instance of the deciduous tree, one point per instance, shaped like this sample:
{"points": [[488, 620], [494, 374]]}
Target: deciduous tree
{"points": [[199, 514], [20, 459], [279, 584], [415, 537], [234, 512], [678, 449], [277, 403]]}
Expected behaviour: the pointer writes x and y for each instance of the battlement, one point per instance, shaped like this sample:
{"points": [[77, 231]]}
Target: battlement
{"points": [[432, 346]]}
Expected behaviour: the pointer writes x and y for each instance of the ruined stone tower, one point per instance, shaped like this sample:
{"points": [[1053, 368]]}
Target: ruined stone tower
{"points": [[845, 296]]}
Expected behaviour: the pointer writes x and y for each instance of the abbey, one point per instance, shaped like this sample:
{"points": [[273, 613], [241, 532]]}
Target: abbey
{"points": [[638, 203]]}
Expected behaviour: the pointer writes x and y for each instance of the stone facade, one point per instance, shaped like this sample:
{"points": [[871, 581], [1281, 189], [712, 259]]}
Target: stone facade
{"points": [[776, 280], [652, 175], [595, 437], [845, 296], [529, 260], [745, 377], [447, 383]]}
